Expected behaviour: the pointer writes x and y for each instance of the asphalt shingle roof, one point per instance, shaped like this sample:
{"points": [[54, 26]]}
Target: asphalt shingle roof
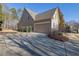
{"points": [[45, 15]]}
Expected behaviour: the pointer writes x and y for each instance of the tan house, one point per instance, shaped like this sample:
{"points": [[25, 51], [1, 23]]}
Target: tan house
{"points": [[46, 22]]}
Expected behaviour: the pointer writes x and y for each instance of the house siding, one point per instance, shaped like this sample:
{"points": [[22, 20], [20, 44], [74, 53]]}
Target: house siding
{"points": [[26, 20], [56, 20]]}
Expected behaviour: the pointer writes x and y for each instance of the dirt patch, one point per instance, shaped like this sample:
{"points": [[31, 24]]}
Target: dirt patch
{"points": [[3, 32], [7, 30], [72, 36]]}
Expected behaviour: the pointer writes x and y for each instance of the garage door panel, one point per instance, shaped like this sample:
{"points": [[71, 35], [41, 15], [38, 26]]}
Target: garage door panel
{"points": [[42, 28]]}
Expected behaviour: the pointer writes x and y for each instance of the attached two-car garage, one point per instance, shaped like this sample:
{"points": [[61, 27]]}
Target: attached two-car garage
{"points": [[42, 27]]}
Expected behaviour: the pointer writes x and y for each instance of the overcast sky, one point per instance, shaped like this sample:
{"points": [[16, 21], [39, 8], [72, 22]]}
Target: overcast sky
{"points": [[70, 11]]}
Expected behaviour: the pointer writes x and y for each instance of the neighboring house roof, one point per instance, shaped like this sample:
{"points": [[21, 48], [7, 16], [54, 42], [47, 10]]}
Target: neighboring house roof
{"points": [[45, 15]]}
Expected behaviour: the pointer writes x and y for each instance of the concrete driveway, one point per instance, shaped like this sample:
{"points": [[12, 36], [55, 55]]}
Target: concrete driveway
{"points": [[35, 44]]}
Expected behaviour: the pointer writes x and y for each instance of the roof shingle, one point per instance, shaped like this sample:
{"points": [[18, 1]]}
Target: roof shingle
{"points": [[45, 15]]}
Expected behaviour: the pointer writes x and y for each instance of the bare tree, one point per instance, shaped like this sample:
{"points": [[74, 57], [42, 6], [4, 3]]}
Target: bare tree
{"points": [[73, 26]]}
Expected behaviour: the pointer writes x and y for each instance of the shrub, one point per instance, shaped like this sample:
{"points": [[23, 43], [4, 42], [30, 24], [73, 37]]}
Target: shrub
{"points": [[58, 36], [56, 33]]}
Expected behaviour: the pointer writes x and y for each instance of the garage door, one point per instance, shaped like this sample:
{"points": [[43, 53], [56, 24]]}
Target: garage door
{"points": [[42, 28]]}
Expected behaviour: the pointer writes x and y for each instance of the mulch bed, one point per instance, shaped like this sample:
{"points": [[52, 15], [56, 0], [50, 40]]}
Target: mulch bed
{"points": [[58, 37]]}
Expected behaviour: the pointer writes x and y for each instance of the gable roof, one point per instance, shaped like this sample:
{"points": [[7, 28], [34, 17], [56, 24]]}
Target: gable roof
{"points": [[41, 16], [45, 15], [33, 14]]}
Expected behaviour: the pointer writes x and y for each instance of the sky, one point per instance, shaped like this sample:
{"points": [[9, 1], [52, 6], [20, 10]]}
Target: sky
{"points": [[69, 10]]}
